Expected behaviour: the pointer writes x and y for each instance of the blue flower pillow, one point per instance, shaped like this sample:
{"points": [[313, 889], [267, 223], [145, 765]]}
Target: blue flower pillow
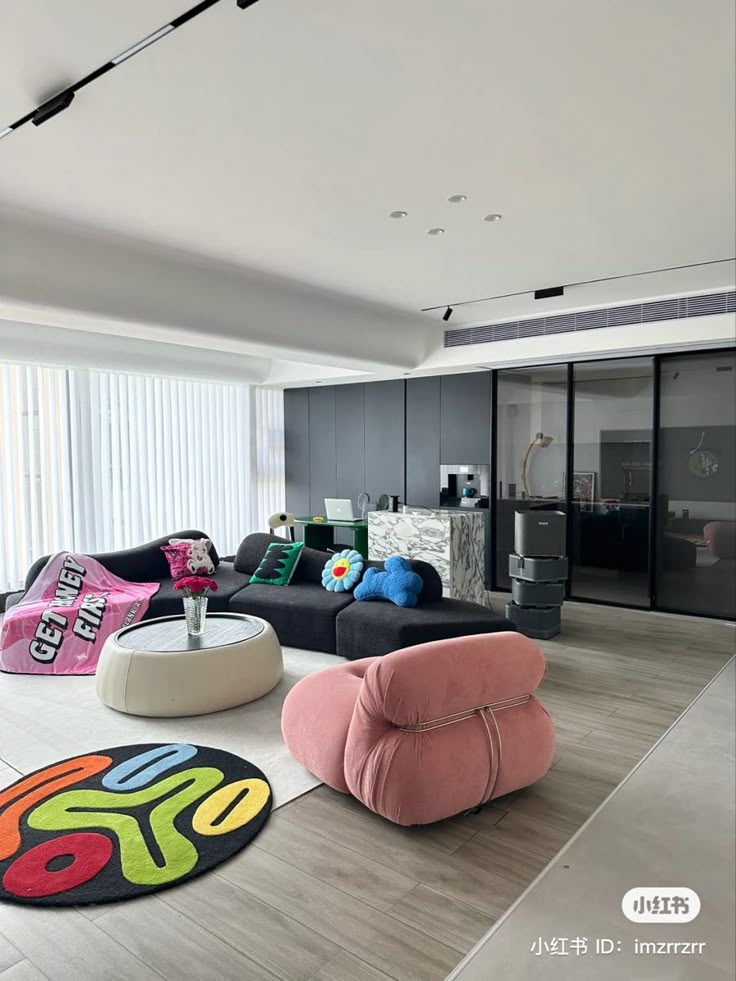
{"points": [[399, 584], [342, 571]]}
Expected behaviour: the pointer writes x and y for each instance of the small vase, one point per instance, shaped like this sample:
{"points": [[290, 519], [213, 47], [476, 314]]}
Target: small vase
{"points": [[195, 614]]}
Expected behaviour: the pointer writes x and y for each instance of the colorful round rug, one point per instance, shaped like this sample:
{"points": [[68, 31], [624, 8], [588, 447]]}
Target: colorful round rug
{"points": [[124, 822]]}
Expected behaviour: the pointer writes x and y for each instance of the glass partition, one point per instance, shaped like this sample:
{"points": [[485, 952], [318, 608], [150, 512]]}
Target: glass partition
{"points": [[531, 450], [696, 530], [611, 481]]}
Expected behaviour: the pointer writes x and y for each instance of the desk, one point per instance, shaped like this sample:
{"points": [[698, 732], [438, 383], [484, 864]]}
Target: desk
{"points": [[321, 534]]}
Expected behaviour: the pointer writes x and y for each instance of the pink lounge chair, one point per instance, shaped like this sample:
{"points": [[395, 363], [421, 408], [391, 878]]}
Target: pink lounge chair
{"points": [[721, 538], [428, 731]]}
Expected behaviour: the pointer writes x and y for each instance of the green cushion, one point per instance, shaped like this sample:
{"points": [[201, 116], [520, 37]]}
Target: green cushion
{"points": [[277, 565]]}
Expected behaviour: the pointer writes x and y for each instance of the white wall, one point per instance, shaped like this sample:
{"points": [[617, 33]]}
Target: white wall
{"points": [[695, 333], [24, 343], [75, 278], [79, 279]]}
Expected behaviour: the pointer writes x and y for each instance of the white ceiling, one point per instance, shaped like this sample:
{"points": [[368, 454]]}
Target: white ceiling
{"points": [[279, 138]]}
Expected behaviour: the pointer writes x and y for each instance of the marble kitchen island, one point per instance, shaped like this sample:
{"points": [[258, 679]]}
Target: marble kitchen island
{"points": [[452, 540]]}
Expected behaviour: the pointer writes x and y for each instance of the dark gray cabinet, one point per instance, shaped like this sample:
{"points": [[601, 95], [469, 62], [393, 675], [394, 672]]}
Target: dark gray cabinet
{"points": [[322, 453], [423, 441], [296, 451], [384, 438], [350, 440], [465, 418]]}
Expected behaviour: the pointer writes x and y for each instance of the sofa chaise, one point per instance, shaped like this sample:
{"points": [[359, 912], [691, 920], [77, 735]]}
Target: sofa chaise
{"points": [[304, 614]]}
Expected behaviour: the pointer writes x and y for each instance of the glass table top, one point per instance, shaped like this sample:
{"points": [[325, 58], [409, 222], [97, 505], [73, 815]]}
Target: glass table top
{"points": [[169, 634]]}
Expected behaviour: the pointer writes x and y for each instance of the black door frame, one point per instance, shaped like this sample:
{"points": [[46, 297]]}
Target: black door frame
{"points": [[654, 515], [654, 505], [569, 469], [493, 489]]}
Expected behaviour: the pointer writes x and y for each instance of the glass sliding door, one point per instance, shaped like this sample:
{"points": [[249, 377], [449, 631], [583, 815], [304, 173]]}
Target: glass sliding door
{"points": [[531, 450], [696, 485], [611, 480]]}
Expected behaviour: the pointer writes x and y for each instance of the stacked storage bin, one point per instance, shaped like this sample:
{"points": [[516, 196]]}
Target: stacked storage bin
{"points": [[538, 571]]}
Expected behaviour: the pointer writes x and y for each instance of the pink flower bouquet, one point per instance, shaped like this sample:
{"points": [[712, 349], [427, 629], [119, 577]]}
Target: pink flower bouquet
{"points": [[196, 585]]}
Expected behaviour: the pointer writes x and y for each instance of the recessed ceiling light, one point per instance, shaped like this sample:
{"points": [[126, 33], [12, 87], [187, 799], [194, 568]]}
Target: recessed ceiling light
{"points": [[493, 217], [457, 198], [398, 214], [435, 231]]}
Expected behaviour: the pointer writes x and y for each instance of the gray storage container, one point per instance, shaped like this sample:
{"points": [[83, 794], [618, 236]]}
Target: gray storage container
{"points": [[537, 570], [540, 533], [539, 622], [537, 593]]}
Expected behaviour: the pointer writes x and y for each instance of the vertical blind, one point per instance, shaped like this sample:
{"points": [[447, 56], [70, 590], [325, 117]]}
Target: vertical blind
{"points": [[36, 514], [95, 461], [270, 483]]}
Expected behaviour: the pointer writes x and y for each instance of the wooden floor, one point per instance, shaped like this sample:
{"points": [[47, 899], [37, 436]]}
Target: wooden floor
{"points": [[330, 892], [635, 838]]}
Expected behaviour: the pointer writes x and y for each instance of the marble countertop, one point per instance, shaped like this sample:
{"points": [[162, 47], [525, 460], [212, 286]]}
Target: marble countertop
{"points": [[452, 540], [426, 513]]}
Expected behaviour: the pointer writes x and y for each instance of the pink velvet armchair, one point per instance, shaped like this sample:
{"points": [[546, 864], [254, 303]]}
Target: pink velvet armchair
{"points": [[428, 731]]}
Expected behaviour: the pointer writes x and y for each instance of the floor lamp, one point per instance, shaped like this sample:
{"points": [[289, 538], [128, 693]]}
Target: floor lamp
{"points": [[539, 440]]}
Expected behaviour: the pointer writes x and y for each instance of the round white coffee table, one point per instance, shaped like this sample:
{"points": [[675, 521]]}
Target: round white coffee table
{"points": [[155, 668]]}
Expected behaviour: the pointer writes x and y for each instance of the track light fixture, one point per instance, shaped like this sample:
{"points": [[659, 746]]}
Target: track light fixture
{"points": [[560, 290], [64, 99], [549, 292], [53, 107], [145, 43]]}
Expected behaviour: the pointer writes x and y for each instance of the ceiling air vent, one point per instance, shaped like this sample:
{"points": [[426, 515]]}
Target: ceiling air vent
{"points": [[677, 308]]}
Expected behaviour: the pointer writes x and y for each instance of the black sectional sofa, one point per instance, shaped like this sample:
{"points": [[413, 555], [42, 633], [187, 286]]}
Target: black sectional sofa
{"points": [[304, 614], [147, 563]]}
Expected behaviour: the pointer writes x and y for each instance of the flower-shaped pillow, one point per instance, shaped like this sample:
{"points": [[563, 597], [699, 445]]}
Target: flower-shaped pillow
{"points": [[342, 571]]}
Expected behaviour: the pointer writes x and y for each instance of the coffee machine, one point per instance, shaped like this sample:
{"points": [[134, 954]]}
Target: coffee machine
{"points": [[464, 485]]}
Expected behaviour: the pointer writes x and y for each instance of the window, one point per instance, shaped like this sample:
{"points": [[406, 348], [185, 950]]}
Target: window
{"points": [[95, 461], [35, 468]]}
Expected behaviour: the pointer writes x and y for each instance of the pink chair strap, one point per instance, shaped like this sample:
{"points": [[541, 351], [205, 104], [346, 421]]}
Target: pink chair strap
{"points": [[448, 720], [495, 753], [495, 743]]}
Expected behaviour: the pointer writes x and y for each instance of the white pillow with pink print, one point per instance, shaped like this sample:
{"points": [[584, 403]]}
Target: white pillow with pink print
{"points": [[189, 557]]}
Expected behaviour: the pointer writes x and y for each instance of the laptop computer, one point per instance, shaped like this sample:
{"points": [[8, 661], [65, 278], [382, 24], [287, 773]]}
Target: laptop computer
{"points": [[339, 509]]}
